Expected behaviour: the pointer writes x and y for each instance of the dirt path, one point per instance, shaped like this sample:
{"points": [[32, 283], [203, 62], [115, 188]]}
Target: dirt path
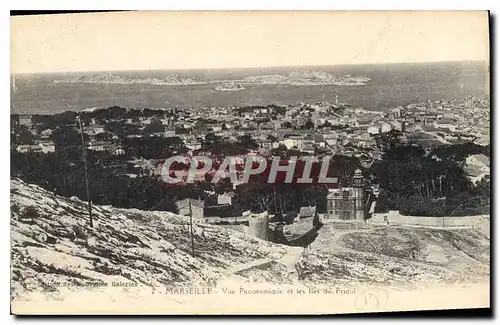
{"points": [[289, 260], [437, 137], [248, 265]]}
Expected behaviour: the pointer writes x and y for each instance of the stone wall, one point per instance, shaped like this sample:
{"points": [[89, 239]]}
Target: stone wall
{"points": [[395, 218]]}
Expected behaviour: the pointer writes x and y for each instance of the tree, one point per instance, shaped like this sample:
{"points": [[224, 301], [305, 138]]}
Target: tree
{"points": [[247, 142], [118, 128], [21, 135], [308, 125], [66, 136], [104, 136], [403, 153], [382, 205], [279, 151], [459, 152], [389, 139], [419, 185], [154, 127], [211, 137], [293, 152]]}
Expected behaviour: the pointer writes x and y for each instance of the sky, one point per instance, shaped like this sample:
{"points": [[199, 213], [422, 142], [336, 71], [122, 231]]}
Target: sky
{"points": [[153, 40]]}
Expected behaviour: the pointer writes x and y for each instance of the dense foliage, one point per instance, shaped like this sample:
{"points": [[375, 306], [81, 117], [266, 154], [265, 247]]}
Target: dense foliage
{"points": [[433, 184], [413, 180]]}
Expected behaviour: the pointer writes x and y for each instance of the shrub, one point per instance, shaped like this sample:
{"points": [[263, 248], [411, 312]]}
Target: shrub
{"points": [[31, 212], [416, 206], [460, 206]]}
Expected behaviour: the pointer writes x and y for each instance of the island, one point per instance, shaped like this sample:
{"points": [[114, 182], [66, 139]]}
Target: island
{"points": [[173, 79], [296, 78], [308, 78], [229, 86]]}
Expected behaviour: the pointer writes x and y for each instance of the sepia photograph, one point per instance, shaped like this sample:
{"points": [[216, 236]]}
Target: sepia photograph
{"points": [[249, 162]]}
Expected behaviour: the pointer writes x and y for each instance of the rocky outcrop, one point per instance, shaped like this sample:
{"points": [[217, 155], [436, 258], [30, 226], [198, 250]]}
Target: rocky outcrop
{"points": [[53, 246]]}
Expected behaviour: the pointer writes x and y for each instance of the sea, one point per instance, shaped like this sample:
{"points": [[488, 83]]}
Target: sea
{"points": [[390, 85]]}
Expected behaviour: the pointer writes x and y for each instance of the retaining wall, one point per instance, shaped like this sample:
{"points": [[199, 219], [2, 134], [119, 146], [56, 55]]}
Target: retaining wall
{"points": [[395, 218]]}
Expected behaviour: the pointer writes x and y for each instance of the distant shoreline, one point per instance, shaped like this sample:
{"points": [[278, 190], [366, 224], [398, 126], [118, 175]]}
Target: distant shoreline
{"points": [[294, 78], [391, 85], [285, 67]]}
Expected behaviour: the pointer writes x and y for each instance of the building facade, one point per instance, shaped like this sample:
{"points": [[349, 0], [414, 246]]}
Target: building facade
{"points": [[25, 120], [347, 203], [197, 208]]}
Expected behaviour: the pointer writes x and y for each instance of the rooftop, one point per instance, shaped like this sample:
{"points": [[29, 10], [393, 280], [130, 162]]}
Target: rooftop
{"points": [[306, 212], [485, 160], [185, 203]]}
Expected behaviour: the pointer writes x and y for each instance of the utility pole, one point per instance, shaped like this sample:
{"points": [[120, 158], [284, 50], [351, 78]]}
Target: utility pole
{"points": [[276, 205], [84, 153], [191, 227]]}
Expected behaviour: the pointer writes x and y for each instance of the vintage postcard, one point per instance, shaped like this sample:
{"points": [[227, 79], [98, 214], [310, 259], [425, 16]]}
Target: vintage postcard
{"points": [[252, 162]]}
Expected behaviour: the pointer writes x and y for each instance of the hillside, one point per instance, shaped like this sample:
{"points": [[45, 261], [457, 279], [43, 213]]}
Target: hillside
{"points": [[406, 257], [52, 248]]}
